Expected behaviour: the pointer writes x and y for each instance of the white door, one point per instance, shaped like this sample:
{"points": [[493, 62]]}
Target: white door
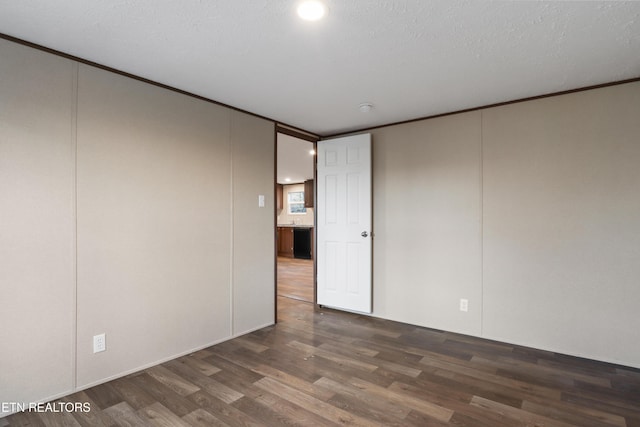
{"points": [[344, 223]]}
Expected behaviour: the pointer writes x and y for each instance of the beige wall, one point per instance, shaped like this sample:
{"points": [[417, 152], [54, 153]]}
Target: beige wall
{"points": [[172, 248], [253, 230], [530, 210], [562, 223], [426, 219], [37, 224]]}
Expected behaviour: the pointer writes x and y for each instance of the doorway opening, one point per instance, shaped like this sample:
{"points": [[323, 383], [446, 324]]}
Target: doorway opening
{"points": [[295, 217]]}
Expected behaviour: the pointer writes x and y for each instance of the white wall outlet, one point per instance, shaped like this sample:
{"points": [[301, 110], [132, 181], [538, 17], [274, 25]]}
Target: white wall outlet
{"points": [[99, 343], [464, 304], [261, 201]]}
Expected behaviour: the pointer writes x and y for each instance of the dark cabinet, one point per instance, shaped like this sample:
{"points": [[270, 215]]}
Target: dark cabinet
{"points": [[295, 242], [302, 242], [308, 193]]}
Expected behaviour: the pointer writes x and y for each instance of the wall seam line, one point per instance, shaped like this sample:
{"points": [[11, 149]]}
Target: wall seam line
{"points": [[74, 150], [231, 229], [481, 223]]}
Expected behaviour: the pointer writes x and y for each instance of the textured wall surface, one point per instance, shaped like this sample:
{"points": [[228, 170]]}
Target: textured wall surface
{"points": [[154, 248], [529, 211], [562, 223], [427, 188], [128, 210], [37, 224]]}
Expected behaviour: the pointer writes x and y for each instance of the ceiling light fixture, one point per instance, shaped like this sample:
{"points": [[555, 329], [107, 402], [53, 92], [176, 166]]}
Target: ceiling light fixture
{"points": [[365, 107], [311, 10], [287, 180], [312, 152]]}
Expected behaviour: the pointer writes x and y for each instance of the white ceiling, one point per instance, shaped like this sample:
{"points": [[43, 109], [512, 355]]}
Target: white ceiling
{"points": [[411, 58], [294, 160]]}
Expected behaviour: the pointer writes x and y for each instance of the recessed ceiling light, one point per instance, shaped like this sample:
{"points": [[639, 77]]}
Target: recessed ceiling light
{"points": [[287, 180], [312, 152], [365, 107], [311, 10]]}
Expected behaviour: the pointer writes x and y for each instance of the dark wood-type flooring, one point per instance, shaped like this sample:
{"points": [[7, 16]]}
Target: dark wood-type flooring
{"points": [[295, 278], [323, 367]]}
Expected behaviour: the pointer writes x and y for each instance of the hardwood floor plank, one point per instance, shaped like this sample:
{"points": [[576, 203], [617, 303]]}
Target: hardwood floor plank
{"points": [[584, 417], [517, 415], [466, 419], [450, 399], [419, 419], [201, 366], [493, 378], [173, 381], [319, 367], [24, 419], [208, 384], [262, 405], [258, 348], [308, 332], [629, 410], [125, 415], [463, 388], [160, 416], [60, 419], [223, 411], [401, 357], [343, 360], [491, 390], [427, 408], [360, 330], [135, 396], [231, 365], [352, 405], [295, 382], [380, 363], [370, 400], [287, 360], [163, 394], [274, 411], [104, 395], [539, 372], [90, 418], [295, 278], [312, 404], [202, 418]]}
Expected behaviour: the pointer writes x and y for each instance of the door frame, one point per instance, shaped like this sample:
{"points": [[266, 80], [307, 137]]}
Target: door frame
{"points": [[279, 128]]}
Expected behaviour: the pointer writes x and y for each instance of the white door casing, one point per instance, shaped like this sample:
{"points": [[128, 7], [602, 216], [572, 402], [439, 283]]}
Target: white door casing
{"points": [[344, 220]]}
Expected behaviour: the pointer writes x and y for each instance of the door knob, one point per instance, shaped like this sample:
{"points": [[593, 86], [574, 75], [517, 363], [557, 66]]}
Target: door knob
{"points": [[364, 234]]}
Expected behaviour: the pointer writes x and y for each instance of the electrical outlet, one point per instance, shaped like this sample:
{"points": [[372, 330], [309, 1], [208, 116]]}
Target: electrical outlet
{"points": [[99, 343], [464, 304]]}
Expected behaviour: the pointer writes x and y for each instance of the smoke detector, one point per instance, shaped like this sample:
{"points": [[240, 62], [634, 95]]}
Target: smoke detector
{"points": [[365, 107]]}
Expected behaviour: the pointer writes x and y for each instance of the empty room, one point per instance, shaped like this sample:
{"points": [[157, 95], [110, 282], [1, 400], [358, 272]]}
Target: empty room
{"points": [[385, 212]]}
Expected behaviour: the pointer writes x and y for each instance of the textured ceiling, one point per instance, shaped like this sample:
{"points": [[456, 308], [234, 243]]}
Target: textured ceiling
{"points": [[408, 58]]}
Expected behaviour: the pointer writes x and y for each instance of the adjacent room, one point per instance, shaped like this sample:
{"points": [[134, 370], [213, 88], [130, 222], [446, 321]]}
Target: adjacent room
{"points": [[411, 213], [295, 218]]}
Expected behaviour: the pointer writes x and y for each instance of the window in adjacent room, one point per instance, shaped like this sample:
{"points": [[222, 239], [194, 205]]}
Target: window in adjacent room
{"points": [[296, 202]]}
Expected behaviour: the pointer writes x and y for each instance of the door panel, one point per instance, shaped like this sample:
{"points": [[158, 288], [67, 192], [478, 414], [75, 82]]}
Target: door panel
{"points": [[344, 223]]}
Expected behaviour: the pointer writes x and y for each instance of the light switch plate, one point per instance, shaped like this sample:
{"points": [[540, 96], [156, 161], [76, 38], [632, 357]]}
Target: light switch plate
{"points": [[261, 201]]}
